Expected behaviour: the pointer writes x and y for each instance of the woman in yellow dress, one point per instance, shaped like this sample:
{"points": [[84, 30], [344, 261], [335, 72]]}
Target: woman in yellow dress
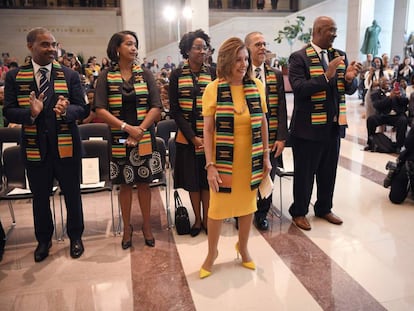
{"points": [[236, 147]]}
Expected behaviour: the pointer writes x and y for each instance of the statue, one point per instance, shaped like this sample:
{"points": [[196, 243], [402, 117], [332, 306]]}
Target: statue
{"points": [[371, 42]]}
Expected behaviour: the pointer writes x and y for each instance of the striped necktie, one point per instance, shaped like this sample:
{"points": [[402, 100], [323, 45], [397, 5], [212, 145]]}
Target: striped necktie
{"points": [[258, 71], [44, 82], [323, 60]]}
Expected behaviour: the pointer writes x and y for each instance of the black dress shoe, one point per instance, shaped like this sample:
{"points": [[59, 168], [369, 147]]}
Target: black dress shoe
{"points": [[128, 244], [194, 231], [2, 244], [42, 251], [148, 242], [76, 248], [261, 223]]}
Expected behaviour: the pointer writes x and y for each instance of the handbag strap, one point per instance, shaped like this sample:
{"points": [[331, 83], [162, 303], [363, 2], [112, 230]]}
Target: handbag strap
{"points": [[177, 199]]}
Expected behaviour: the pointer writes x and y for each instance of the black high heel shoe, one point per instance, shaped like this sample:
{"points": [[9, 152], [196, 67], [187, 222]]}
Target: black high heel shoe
{"points": [[128, 244], [148, 242]]}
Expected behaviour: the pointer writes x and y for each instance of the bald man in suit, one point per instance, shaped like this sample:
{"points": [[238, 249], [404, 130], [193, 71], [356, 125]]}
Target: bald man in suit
{"points": [[320, 77]]}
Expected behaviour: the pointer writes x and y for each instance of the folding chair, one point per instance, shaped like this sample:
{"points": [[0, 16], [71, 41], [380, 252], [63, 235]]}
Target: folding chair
{"points": [[8, 135], [160, 175], [91, 131], [165, 128], [96, 149], [15, 183], [281, 173]]}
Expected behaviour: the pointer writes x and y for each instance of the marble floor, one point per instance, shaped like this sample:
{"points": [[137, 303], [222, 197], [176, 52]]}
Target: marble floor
{"points": [[364, 264]]}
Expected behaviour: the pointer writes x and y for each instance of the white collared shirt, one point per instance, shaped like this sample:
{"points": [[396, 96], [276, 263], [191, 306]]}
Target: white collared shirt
{"points": [[38, 74], [318, 50]]}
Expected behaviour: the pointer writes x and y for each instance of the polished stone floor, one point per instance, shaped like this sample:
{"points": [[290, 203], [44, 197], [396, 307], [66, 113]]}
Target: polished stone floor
{"points": [[364, 264]]}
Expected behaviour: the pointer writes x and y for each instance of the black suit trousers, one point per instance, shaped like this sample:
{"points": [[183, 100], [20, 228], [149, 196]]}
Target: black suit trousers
{"points": [[41, 178], [314, 159], [263, 205]]}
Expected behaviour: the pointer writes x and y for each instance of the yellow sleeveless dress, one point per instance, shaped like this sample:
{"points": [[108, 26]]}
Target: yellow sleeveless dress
{"points": [[242, 200]]}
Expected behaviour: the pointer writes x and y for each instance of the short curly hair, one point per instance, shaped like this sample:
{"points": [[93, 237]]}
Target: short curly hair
{"points": [[187, 40]]}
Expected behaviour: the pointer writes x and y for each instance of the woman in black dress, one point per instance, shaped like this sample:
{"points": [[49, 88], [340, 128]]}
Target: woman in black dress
{"points": [[127, 99], [187, 85]]}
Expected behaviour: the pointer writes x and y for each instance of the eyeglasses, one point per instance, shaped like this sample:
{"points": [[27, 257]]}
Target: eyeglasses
{"points": [[260, 44], [200, 47]]}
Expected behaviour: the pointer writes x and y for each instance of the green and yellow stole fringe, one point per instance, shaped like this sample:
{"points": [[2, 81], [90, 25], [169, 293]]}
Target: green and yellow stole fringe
{"points": [[273, 103], [225, 133], [25, 82], [319, 113], [187, 98], [115, 105]]}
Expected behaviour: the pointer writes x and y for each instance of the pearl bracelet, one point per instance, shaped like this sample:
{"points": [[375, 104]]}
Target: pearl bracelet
{"points": [[123, 126]]}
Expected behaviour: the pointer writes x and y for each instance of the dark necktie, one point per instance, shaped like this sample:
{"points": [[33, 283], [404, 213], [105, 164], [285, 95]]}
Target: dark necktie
{"points": [[258, 73], [323, 61], [44, 82]]}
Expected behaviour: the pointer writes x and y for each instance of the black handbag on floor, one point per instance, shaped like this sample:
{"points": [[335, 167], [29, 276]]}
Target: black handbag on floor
{"points": [[182, 221]]}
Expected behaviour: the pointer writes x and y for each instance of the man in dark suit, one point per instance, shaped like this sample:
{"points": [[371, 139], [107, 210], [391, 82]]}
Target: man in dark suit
{"points": [[276, 113], [47, 99], [390, 109], [320, 77]]}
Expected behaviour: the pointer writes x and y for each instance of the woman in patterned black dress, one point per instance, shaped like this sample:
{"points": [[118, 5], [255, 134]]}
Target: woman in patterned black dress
{"points": [[127, 99]]}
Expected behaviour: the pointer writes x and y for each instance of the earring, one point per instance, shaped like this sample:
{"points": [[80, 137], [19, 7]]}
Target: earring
{"points": [[117, 54]]}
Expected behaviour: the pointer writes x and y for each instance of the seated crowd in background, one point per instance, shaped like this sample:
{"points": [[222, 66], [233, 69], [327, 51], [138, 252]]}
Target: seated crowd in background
{"points": [[386, 91]]}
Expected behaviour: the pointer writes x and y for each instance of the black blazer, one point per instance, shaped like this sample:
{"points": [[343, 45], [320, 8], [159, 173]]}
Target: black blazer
{"points": [[46, 120], [383, 104], [303, 87]]}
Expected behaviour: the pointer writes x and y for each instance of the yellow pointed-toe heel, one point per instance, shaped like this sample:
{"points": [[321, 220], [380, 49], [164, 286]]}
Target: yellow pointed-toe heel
{"points": [[204, 273], [247, 264]]}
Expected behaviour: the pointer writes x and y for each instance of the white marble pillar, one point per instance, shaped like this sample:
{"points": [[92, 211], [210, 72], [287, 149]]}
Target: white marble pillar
{"points": [[360, 16], [200, 16], [133, 19], [386, 21], [403, 25]]}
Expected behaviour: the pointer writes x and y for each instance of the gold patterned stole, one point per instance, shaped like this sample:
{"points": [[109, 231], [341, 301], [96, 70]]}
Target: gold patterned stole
{"points": [[225, 133], [273, 103], [319, 111], [25, 82], [114, 80], [190, 95]]}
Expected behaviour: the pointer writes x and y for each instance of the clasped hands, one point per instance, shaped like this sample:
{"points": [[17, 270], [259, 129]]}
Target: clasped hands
{"points": [[135, 135]]}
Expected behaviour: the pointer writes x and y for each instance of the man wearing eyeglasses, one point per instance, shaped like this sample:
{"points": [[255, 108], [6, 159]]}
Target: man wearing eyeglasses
{"points": [[272, 80]]}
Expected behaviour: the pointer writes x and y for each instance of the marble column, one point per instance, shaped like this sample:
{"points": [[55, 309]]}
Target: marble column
{"points": [[133, 19], [360, 16], [386, 21], [200, 16], [403, 26]]}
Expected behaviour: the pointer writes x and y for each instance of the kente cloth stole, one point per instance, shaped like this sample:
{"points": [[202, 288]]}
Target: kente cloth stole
{"points": [[25, 80], [273, 103], [225, 133], [319, 113], [186, 97], [115, 106]]}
